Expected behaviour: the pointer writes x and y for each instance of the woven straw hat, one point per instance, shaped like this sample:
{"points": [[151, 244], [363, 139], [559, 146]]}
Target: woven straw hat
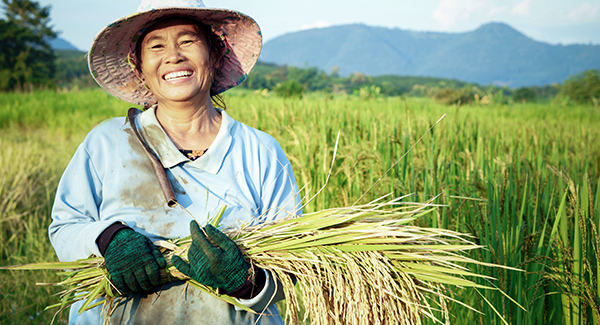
{"points": [[108, 57]]}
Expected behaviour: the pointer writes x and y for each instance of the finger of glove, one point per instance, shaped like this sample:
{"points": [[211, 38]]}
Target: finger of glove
{"points": [[131, 282], [181, 265], [158, 257], [119, 283], [195, 230], [220, 239], [200, 241], [196, 254], [153, 273], [143, 279]]}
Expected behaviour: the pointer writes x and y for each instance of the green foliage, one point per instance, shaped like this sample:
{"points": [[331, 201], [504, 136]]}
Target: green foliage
{"points": [[290, 88], [583, 88], [72, 70], [524, 95], [413, 85], [262, 77], [270, 76], [451, 96], [27, 59], [311, 78], [547, 92], [368, 92]]}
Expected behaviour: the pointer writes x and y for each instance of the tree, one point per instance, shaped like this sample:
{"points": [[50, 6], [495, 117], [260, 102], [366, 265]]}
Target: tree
{"points": [[335, 72], [583, 88], [290, 88], [26, 59], [524, 95]]}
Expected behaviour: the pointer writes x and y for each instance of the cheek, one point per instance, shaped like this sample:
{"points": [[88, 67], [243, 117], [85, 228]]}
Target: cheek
{"points": [[147, 68], [148, 60], [144, 66]]}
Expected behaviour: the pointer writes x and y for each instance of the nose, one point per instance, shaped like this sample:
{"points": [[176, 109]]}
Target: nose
{"points": [[173, 54]]}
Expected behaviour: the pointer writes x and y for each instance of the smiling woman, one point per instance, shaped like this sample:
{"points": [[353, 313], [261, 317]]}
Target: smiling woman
{"points": [[173, 57], [176, 63], [183, 45]]}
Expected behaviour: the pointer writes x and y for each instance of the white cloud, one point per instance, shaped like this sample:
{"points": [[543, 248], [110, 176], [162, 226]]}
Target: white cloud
{"points": [[585, 11], [450, 12], [317, 24], [496, 11], [522, 8]]}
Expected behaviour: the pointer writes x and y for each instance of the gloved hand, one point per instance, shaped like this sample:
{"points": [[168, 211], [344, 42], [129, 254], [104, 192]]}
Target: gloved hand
{"points": [[134, 263], [220, 266]]}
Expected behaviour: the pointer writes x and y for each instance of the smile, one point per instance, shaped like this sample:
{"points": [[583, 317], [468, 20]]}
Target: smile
{"points": [[177, 75]]}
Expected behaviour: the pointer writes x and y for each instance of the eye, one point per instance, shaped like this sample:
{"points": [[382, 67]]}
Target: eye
{"points": [[155, 46]]}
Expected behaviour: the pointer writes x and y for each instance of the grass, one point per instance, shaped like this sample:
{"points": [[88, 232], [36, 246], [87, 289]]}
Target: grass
{"points": [[523, 179]]}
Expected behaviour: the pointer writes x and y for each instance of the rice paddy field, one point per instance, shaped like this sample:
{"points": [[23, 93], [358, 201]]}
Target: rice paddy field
{"points": [[522, 179]]}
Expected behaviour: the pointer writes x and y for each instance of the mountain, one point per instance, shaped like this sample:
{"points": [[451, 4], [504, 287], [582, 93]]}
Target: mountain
{"points": [[62, 44], [495, 53]]}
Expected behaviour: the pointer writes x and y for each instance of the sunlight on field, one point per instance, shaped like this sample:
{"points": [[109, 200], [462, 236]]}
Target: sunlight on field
{"points": [[522, 178]]}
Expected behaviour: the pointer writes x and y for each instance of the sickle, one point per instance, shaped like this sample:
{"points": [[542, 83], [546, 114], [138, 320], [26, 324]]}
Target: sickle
{"points": [[158, 168]]}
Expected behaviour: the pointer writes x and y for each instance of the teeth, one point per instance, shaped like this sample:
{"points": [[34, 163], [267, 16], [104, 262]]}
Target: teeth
{"points": [[178, 74]]}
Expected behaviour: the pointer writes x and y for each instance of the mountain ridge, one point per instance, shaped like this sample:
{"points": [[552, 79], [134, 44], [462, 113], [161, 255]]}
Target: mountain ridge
{"points": [[62, 44], [495, 53]]}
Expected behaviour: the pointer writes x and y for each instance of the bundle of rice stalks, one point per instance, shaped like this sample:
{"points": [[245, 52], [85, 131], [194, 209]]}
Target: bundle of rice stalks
{"points": [[353, 265]]}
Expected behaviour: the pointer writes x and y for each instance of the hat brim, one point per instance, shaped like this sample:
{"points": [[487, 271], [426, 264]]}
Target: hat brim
{"points": [[109, 66]]}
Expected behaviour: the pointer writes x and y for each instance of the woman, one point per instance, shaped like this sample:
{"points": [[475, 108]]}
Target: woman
{"points": [[172, 57]]}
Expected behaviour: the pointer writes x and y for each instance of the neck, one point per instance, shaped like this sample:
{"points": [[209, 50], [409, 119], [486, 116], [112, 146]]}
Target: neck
{"points": [[189, 126]]}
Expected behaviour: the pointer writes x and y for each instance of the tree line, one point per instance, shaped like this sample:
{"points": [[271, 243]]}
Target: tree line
{"points": [[288, 81], [27, 62], [26, 59]]}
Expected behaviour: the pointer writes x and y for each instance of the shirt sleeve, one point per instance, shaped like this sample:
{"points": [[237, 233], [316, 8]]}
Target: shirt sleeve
{"points": [[271, 293], [280, 199], [280, 195], [76, 221]]}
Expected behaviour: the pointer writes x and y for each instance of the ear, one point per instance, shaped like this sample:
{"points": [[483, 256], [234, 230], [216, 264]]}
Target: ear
{"points": [[216, 63], [142, 78], [214, 67]]}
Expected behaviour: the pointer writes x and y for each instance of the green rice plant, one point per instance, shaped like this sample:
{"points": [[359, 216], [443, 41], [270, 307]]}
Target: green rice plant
{"points": [[73, 113], [498, 168], [578, 255], [26, 186]]}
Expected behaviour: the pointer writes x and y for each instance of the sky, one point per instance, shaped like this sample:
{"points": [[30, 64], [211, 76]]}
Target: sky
{"points": [[550, 21]]}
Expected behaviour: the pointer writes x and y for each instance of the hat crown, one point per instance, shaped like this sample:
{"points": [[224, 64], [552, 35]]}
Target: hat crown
{"points": [[147, 5]]}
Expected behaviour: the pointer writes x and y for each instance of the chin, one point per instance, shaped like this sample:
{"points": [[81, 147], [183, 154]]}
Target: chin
{"points": [[181, 98], [178, 95]]}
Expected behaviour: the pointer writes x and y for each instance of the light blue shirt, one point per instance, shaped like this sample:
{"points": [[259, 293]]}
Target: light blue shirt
{"points": [[110, 179]]}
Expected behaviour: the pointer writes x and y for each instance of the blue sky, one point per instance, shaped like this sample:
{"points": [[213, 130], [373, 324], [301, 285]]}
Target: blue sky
{"points": [[551, 21]]}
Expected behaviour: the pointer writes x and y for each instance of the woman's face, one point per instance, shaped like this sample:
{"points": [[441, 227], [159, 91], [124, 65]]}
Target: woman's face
{"points": [[176, 63]]}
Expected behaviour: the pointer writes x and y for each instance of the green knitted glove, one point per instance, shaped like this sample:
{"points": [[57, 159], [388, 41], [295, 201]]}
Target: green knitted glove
{"points": [[134, 263], [220, 266]]}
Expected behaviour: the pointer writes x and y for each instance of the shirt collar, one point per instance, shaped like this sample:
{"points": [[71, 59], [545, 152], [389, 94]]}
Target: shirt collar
{"points": [[170, 156]]}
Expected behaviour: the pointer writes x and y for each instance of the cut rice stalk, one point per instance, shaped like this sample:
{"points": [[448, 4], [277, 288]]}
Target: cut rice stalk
{"points": [[356, 265]]}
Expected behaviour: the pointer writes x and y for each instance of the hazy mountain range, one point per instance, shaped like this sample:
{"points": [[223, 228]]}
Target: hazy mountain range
{"points": [[62, 44], [495, 53]]}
